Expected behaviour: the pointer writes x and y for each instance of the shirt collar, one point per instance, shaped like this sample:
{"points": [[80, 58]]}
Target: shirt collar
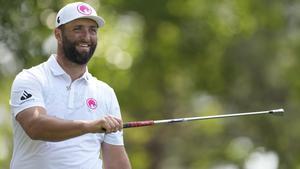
{"points": [[57, 70], [86, 76]]}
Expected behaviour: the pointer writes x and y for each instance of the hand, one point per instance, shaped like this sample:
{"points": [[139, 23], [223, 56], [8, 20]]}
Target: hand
{"points": [[111, 124], [108, 124]]}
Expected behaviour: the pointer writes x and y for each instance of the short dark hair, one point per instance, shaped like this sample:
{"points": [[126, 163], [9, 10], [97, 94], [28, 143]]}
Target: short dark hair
{"points": [[61, 27]]}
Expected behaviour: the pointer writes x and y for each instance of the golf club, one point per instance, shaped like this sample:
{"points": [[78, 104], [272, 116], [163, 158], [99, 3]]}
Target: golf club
{"points": [[277, 112]]}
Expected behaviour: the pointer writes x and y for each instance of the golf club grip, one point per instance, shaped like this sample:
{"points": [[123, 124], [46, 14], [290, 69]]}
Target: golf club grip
{"points": [[138, 124]]}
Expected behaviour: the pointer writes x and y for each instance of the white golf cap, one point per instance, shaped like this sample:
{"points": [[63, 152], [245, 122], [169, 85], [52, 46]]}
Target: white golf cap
{"points": [[77, 10]]}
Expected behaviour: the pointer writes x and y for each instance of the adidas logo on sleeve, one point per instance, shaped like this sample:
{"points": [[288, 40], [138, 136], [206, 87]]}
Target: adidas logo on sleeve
{"points": [[25, 95]]}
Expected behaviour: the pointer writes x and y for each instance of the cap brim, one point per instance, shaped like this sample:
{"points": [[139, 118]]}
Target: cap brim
{"points": [[100, 21]]}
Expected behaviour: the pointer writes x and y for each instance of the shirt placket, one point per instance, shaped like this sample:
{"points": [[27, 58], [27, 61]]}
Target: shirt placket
{"points": [[76, 94], [71, 96]]}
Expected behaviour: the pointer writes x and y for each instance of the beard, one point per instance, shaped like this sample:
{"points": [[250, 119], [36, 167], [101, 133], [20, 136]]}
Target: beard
{"points": [[73, 55]]}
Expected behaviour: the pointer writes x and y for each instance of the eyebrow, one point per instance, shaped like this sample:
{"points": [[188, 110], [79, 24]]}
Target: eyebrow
{"points": [[81, 25]]}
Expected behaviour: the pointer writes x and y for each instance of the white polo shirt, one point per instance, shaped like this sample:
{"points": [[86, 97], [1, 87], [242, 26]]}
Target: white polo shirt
{"points": [[48, 86]]}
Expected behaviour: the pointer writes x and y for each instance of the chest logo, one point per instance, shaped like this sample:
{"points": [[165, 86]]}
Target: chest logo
{"points": [[91, 103]]}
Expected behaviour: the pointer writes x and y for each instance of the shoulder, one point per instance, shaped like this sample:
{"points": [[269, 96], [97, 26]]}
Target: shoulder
{"points": [[36, 71], [32, 75]]}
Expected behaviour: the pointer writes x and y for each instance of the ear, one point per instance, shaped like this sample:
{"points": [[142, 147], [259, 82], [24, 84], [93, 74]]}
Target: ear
{"points": [[58, 35]]}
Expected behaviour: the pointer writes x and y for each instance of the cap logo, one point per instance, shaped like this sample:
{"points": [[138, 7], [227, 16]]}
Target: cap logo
{"points": [[83, 9], [91, 103], [58, 19]]}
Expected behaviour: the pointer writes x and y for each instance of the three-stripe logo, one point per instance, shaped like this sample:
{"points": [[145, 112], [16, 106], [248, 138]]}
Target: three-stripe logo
{"points": [[25, 95]]}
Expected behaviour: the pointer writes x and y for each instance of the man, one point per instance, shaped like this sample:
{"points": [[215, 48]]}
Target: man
{"points": [[63, 117]]}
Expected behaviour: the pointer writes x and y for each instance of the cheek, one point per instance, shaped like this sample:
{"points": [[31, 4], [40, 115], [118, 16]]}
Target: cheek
{"points": [[94, 39], [94, 42]]}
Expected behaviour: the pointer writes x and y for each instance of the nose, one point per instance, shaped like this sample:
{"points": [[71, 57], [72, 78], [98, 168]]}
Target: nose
{"points": [[86, 35]]}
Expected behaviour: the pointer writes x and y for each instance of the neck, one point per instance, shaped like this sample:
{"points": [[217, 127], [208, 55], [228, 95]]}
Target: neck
{"points": [[74, 70]]}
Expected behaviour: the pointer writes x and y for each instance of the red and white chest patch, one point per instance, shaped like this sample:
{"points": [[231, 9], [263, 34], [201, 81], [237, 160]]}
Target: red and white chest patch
{"points": [[91, 103]]}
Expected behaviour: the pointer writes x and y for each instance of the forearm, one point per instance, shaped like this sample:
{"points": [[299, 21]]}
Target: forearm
{"points": [[115, 157], [40, 126], [49, 128], [120, 164]]}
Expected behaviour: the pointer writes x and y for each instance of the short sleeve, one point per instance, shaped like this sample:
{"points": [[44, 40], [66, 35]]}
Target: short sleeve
{"points": [[117, 137], [26, 92]]}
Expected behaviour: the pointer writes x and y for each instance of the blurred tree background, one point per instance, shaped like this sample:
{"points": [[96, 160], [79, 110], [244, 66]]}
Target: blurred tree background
{"points": [[174, 58]]}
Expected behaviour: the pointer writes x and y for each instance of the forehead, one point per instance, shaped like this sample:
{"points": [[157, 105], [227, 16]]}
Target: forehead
{"points": [[83, 22]]}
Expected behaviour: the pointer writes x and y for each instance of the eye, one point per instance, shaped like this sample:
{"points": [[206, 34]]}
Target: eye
{"points": [[77, 28], [93, 29]]}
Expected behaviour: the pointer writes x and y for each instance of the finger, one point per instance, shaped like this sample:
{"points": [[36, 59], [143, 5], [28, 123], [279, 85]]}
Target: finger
{"points": [[111, 124], [107, 124], [119, 123], [114, 123]]}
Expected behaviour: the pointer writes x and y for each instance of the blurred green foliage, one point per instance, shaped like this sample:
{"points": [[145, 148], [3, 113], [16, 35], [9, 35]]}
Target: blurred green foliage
{"points": [[172, 58]]}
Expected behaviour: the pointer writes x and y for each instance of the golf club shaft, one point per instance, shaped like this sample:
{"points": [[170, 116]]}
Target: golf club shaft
{"points": [[152, 122]]}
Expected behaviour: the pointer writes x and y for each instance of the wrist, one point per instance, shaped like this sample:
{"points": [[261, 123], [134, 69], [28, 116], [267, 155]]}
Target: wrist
{"points": [[84, 126]]}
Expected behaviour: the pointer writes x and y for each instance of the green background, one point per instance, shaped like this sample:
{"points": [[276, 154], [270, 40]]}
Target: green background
{"points": [[180, 58]]}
